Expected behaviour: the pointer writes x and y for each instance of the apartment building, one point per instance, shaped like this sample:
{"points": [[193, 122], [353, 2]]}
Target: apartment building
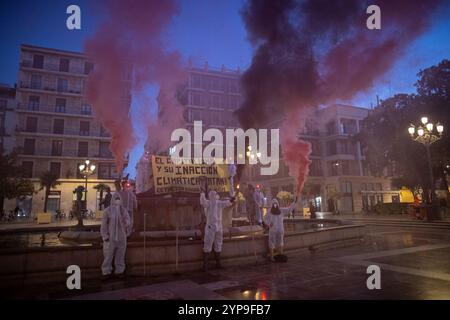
{"points": [[8, 119], [56, 130], [212, 95], [338, 177]]}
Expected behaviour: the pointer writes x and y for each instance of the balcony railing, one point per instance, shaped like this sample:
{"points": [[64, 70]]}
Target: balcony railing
{"points": [[51, 87], [72, 153], [33, 106], [66, 131], [54, 67]]}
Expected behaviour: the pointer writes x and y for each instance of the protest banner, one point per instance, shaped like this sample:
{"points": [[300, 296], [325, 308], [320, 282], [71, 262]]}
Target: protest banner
{"points": [[169, 177]]}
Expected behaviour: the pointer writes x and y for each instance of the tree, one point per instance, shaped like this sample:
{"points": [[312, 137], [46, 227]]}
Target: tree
{"points": [[12, 184], [48, 181], [386, 142], [102, 188]]}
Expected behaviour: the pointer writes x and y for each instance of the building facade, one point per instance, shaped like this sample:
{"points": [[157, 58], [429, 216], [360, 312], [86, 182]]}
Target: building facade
{"points": [[338, 177], [212, 96], [56, 130], [8, 119]]}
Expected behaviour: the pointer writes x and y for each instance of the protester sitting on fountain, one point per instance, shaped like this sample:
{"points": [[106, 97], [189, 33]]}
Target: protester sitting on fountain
{"points": [[213, 228], [114, 231], [274, 220]]}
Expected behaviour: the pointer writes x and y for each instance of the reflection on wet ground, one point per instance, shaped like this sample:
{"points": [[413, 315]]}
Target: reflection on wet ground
{"points": [[414, 264]]}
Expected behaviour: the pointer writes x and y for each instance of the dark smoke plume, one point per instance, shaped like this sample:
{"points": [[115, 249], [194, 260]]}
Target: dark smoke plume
{"points": [[314, 52]]}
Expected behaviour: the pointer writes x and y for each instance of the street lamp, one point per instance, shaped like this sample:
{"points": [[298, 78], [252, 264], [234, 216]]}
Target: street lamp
{"points": [[86, 169], [427, 134]]}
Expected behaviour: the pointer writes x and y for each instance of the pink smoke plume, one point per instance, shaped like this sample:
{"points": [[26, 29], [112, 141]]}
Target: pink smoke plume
{"points": [[314, 52], [295, 151], [128, 54]]}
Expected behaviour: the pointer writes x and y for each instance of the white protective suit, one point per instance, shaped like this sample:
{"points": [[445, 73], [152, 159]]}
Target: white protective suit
{"points": [[213, 229], [258, 198], [276, 225], [129, 201], [114, 230]]}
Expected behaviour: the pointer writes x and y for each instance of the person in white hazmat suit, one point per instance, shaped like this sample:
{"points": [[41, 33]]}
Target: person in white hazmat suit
{"points": [[274, 220], [213, 229], [129, 201], [114, 230]]}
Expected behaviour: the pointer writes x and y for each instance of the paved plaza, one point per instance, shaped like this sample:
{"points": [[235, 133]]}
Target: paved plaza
{"points": [[414, 262]]}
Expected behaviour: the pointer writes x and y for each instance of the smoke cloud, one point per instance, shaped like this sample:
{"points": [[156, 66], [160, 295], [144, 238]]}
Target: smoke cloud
{"points": [[129, 55], [314, 52]]}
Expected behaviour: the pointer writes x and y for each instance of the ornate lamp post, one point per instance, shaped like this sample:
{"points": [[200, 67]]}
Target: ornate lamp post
{"points": [[427, 133], [86, 169]]}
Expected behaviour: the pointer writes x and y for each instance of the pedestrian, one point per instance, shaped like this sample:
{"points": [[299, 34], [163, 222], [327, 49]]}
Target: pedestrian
{"points": [[114, 231], [312, 210], [258, 199], [106, 202], [213, 236]]}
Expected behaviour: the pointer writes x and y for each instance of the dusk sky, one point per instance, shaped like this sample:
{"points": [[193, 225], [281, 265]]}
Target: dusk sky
{"points": [[204, 30]]}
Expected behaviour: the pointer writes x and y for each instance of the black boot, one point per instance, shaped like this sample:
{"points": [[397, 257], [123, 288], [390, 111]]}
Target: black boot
{"points": [[217, 257], [205, 261]]}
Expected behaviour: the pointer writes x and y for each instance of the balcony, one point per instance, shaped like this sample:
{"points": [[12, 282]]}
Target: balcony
{"points": [[51, 87], [35, 107], [67, 132], [55, 68], [46, 152]]}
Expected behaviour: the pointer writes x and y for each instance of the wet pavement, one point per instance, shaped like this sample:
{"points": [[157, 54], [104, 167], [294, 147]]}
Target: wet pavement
{"points": [[414, 262]]}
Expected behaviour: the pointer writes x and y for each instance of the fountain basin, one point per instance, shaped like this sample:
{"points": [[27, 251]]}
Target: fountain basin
{"points": [[49, 264]]}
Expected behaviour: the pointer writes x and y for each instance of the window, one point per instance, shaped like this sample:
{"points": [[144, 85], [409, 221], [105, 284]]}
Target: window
{"points": [[63, 85], [103, 132], [38, 61], [2, 104], [2, 127], [27, 169], [331, 128], [84, 128], [31, 125], [315, 168], [33, 103], [107, 171], [64, 65], [215, 101], [104, 151], [378, 187], [345, 165], [58, 126], [205, 83], [55, 168], [348, 126], [196, 81], [195, 99], [29, 146], [88, 67], [60, 105], [333, 168], [234, 102], [346, 187], [346, 147], [86, 109], [233, 86], [36, 82], [83, 148], [331, 148], [57, 148]]}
